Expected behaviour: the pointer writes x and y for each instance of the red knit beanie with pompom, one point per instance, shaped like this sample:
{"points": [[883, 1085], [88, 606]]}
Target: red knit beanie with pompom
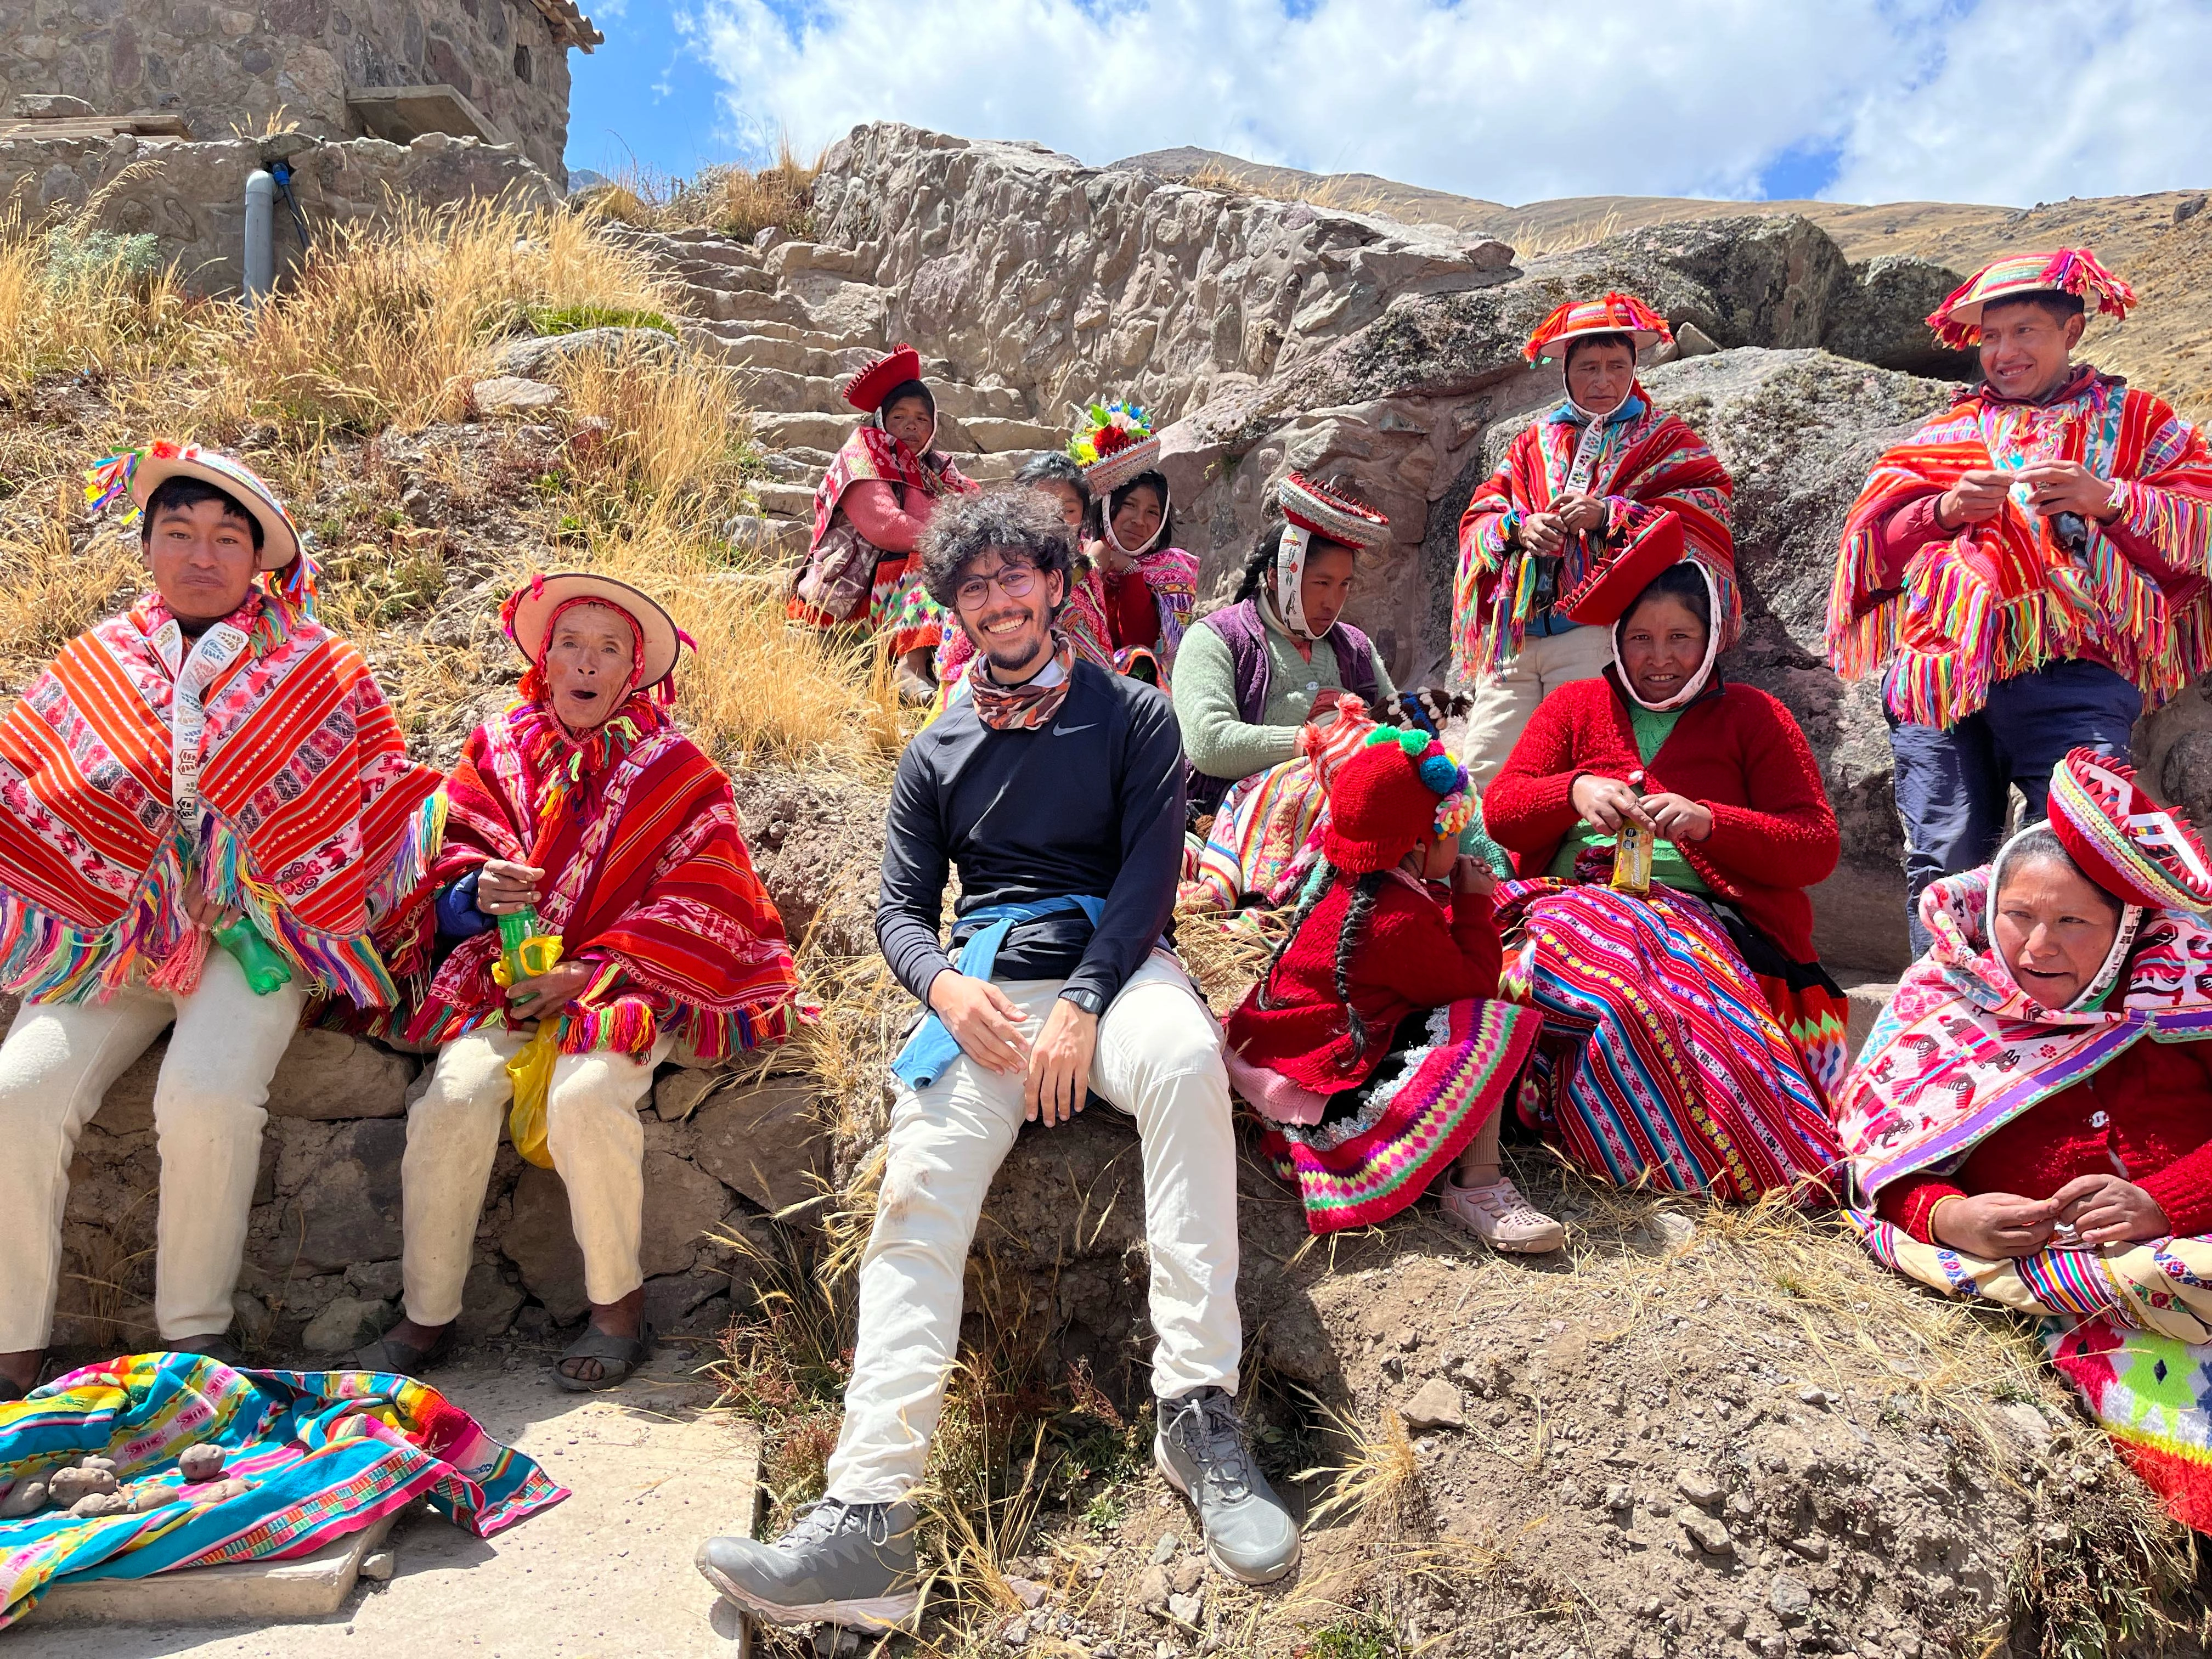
{"points": [[1385, 798]]}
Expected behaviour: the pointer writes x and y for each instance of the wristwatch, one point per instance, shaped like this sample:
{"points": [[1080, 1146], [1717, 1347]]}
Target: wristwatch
{"points": [[1085, 998]]}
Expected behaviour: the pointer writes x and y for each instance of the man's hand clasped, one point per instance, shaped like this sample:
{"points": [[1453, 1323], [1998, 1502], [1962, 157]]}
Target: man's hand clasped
{"points": [[2089, 1210], [988, 1024], [2053, 487]]}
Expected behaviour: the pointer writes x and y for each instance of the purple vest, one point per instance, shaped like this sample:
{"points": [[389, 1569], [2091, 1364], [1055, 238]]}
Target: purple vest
{"points": [[1251, 668]]}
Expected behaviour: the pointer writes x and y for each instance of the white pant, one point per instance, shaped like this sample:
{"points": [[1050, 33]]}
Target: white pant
{"points": [[1504, 701], [60, 1057], [1159, 1058], [453, 1135]]}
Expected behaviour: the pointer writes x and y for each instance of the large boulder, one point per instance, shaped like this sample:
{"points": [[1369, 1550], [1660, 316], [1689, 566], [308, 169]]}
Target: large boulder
{"points": [[1882, 318]]}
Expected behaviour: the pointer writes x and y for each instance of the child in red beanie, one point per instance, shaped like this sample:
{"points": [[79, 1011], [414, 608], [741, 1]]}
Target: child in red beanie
{"points": [[1374, 1046]]}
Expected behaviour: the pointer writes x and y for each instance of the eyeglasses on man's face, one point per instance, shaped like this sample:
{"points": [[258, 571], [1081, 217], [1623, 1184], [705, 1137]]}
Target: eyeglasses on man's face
{"points": [[1014, 581]]}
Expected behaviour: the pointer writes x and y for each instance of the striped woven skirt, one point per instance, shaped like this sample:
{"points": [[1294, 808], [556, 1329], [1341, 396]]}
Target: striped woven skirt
{"points": [[1662, 1063], [898, 609], [2129, 1326], [1378, 1147]]}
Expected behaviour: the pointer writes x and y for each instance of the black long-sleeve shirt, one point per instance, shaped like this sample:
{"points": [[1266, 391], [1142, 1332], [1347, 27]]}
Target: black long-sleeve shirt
{"points": [[1091, 804]]}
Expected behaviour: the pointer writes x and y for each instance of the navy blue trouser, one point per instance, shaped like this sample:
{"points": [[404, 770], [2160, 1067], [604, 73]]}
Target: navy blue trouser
{"points": [[1952, 782]]}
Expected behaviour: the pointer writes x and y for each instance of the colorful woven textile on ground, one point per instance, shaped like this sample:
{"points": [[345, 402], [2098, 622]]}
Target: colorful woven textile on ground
{"points": [[647, 878], [1417, 1113], [2130, 1327], [1648, 461], [1661, 1063], [897, 606], [1961, 1051], [2005, 600], [2150, 1392], [313, 821], [1265, 838], [324, 1453]]}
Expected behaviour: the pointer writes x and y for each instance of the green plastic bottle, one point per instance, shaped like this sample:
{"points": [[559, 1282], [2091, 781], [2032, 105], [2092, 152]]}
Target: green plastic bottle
{"points": [[264, 966]]}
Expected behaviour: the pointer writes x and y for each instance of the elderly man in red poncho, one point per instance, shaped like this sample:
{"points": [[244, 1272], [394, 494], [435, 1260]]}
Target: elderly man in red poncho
{"points": [[607, 913], [206, 816]]}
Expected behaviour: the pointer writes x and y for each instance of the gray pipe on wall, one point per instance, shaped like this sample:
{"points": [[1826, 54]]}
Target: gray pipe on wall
{"points": [[261, 245]]}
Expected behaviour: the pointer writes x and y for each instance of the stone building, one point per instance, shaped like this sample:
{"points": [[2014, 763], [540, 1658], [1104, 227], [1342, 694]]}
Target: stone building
{"points": [[494, 70]]}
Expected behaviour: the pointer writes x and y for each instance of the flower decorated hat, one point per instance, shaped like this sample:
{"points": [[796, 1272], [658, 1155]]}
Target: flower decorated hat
{"points": [[1615, 314], [1399, 787], [2136, 850], [528, 616], [1113, 443], [1332, 514], [2075, 271], [867, 390], [136, 474]]}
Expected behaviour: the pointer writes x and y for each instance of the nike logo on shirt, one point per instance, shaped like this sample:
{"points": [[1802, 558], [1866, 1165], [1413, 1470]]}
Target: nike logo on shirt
{"points": [[1070, 731]]}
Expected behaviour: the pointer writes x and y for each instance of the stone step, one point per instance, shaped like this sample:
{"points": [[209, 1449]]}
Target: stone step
{"points": [[784, 539], [776, 391], [992, 434], [789, 500], [998, 467], [808, 430], [799, 465], [786, 258], [731, 305], [837, 363], [703, 273]]}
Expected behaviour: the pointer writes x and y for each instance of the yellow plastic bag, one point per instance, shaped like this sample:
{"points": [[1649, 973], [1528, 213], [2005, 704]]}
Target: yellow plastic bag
{"points": [[532, 1073]]}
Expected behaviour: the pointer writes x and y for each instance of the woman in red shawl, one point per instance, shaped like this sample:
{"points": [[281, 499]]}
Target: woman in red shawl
{"points": [[584, 811]]}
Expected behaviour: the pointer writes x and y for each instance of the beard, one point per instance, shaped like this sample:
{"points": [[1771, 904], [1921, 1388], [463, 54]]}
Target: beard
{"points": [[1013, 655]]}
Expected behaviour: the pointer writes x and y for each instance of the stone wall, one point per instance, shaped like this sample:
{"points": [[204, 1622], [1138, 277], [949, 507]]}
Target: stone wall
{"points": [[193, 196], [229, 66]]}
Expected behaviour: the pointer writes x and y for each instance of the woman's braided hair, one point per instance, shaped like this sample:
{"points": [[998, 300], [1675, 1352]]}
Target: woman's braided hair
{"points": [[1365, 890]]}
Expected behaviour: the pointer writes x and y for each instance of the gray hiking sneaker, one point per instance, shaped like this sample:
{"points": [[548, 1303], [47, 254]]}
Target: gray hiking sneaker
{"points": [[842, 1563], [1200, 1449]]}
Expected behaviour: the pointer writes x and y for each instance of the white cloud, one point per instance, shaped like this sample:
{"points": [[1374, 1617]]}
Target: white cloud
{"points": [[1501, 99], [2033, 100]]}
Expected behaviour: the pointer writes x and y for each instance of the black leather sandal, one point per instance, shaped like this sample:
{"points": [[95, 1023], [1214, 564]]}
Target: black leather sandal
{"points": [[619, 1357], [386, 1354]]}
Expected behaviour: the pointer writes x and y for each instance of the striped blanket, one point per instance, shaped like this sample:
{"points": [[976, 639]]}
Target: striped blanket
{"points": [[309, 817], [1645, 462], [1662, 1063], [324, 1453], [2007, 598], [647, 878], [2130, 1326]]}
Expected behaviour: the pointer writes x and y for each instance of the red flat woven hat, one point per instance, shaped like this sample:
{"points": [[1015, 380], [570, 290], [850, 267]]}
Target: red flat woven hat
{"points": [[1616, 313], [2136, 850], [867, 390], [1603, 597], [2075, 271], [1331, 514]]}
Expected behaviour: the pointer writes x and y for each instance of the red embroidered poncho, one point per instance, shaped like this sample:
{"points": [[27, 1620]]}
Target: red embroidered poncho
{"points": [[312, 819], [2003, 598], [647, 877], [1640, 461]]}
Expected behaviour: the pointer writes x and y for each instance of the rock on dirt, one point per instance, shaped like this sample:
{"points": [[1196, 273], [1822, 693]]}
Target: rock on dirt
{"points": [[1434, 1405]]}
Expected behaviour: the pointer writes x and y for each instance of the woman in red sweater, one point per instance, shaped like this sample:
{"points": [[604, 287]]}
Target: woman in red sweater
{"points": [[1373, 1046], [1689, 1034], [2031, 1121]]}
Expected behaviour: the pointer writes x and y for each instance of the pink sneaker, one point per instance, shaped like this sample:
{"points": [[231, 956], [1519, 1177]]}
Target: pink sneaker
{"points": [[1498, 1216]]}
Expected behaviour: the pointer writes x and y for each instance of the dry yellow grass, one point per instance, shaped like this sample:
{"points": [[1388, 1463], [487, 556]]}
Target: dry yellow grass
{"points": [[1532, 241], [739, 202]]}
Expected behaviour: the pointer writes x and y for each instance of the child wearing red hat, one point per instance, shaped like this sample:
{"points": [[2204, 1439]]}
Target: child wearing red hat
{"points": [[1374, 1046]]}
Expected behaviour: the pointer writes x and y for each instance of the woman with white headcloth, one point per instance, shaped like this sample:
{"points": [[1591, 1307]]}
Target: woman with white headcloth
{"points": [[1665, 825], [1257, 690]]}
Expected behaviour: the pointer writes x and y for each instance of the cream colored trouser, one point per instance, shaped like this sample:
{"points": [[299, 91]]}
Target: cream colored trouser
{"points": [[1158, 1059], [1503, 702], [452, 1135], [209, 1104]]}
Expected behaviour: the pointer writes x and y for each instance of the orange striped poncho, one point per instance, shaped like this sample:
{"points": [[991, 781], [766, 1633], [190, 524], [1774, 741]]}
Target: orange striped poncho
{"points": [[646, 878], [2004, 599], [1640, 461], [308, 816]]}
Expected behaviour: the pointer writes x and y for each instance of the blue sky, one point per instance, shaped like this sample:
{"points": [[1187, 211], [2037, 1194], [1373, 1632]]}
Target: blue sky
{"points": [[1993, 100]]}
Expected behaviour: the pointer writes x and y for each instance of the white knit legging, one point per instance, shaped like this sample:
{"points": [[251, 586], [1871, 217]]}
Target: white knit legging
{"points": [[209, 1107]]}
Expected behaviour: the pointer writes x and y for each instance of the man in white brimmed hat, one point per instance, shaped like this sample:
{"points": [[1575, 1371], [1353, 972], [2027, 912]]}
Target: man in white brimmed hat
{"points": [[209, 816]]}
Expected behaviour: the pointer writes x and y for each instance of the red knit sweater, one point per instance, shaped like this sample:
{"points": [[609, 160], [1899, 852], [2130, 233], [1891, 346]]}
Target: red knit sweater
{"points": [[1734, 750], [1407, 959], [2147, 1115]]}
